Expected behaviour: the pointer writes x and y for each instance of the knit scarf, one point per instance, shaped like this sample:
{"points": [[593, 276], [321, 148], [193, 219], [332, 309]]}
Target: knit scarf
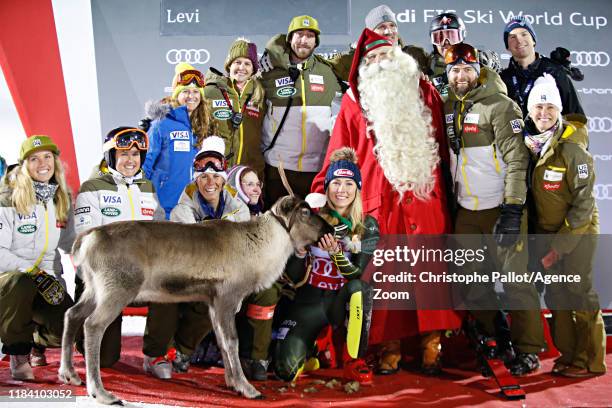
{"points": [[535, 142], [44, 191]]}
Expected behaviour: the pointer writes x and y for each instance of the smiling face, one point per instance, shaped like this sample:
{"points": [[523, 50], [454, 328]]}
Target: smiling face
{"points": [[210, 186], [127, 162], [341, 193], [251, 186], [388, 29], [41, 165], [303, 43], [462, 78], [189, 97], [544, 116], [521, 44], [241, 69]]}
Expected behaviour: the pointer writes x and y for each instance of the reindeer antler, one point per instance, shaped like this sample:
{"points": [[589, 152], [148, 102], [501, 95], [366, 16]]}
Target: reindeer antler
{"points": [[281, 171]]}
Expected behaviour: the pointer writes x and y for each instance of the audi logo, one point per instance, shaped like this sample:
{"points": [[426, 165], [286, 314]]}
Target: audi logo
{"points": [[600, 124], [191, 56], [590, 58], [602, 191]]}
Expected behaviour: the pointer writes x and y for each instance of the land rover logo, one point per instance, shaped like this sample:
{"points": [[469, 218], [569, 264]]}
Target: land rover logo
{"points": [[286, 91], [111, 211], [222, 114], [27, 228]]}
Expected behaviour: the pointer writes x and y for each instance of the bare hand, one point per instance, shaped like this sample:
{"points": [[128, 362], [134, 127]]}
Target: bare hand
{"points": [[329, 243]]}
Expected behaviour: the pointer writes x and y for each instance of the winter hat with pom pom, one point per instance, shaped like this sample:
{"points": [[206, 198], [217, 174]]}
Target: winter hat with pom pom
{"points": [[343, 163]]}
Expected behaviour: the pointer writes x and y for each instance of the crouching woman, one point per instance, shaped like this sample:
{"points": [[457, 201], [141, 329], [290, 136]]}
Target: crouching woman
{"points": [[327, 279], [35, 220]]}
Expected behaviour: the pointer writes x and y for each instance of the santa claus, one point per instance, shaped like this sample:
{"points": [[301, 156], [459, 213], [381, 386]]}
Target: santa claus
{"points": [[393, 120]]}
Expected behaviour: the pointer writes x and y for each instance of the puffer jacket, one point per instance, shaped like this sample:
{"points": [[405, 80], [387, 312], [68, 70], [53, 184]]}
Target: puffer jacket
{"points": [[242, 144], [303, 139], [189, 211], [562, 186], [23, 238], [491, 167], [107, 197], [170, 156]]}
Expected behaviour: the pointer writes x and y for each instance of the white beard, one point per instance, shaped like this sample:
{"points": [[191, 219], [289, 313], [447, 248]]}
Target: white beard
{"points": [[405, 147]]}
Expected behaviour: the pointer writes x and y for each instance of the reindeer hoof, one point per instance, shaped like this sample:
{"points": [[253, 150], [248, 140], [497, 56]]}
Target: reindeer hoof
{"points": [[69, 378]]}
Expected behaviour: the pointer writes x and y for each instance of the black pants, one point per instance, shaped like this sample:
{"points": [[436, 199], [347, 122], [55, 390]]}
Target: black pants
{"points": [[312, 310]]}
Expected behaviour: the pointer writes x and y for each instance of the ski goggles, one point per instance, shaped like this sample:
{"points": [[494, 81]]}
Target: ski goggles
{"points": [[206, 163], [127, 138], [461, 51], [452, 35], [189, 76]]}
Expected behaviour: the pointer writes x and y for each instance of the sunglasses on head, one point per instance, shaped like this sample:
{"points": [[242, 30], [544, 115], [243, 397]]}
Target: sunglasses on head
{"points": [[127, 138], [453, 36], [210, 162], [461, 51], [189, 76]]}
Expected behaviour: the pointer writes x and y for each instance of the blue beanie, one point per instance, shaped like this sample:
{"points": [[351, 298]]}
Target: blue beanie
{"points": [[345, 169], [518, 22]]}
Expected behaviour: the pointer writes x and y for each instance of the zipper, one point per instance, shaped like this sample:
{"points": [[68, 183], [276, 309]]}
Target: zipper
{"points": [[303, 149], [129, 194]]}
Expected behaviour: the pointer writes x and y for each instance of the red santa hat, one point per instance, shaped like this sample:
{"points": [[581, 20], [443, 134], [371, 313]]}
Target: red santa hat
{"points": [[368, 41]]}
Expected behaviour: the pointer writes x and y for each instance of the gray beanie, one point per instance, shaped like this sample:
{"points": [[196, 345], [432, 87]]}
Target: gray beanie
{"points": [[379, 15]]}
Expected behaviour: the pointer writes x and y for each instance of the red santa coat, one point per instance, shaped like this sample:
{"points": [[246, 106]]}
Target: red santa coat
{"points": [[411, 216]]}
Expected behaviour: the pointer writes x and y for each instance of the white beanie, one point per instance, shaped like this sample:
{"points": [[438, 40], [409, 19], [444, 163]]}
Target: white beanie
{"points": [[544, 91], [379, 15], [213, 146]]}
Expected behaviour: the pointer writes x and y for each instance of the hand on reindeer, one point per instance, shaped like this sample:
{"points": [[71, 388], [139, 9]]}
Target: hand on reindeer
{"points": [[329, 243]]}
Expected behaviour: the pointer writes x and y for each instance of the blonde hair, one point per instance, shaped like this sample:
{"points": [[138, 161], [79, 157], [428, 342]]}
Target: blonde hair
{"points": [[24, 198], [355, 212], [201, 123]]}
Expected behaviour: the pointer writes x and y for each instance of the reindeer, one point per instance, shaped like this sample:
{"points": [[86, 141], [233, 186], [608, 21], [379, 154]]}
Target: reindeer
{"points": [[217, 262]]}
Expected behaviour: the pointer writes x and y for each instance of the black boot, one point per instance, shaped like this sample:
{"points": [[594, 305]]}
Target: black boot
{"points": [[524, 363], [255, 370]]}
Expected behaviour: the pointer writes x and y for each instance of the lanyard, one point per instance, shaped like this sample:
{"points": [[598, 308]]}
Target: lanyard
{"points": [[229, 103], [521, 95]]}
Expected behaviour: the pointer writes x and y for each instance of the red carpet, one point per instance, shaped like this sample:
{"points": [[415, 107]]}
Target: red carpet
{"points": [[205, 387]]}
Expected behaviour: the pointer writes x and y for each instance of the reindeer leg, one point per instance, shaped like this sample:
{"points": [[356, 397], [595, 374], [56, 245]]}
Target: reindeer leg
{"points": [[95, 325], [73, 319], [223, 318]]}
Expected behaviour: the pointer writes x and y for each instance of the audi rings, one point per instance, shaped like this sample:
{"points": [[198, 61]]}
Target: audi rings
{"points": [[602, 191], [590, 58], [190, 56], [600, 124]]}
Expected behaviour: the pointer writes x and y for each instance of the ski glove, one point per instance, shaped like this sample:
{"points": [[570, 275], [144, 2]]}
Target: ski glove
{"points": [[508, 225]]}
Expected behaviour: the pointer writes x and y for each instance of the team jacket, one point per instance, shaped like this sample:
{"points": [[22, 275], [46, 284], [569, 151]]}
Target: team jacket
{"points": [[106, 198], [23, 238], [562, 187], [302, 141], [189, 211], [491, 167], [170, 156], [526, 78], [242, 145]]}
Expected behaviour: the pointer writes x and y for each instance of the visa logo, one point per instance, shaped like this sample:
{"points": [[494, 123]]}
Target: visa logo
{"points": [[111, 199], [179, 134], [26, 217], [219, 103], [283, 81]]}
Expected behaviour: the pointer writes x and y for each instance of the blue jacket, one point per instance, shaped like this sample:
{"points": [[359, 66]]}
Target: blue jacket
{"points": [[170, 157]]}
